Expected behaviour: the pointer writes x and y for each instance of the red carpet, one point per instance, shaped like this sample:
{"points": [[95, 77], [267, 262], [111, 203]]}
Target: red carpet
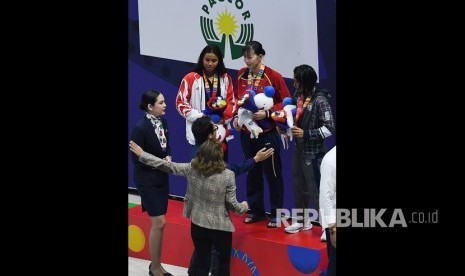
{"points": [[257, 250]]}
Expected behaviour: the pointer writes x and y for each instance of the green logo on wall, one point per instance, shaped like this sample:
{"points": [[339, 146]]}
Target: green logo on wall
{"points": [[226, 28]]}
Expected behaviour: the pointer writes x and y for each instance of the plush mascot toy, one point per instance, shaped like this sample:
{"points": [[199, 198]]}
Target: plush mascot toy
{"points": [[251, 103], [215, 106], [284, 119], [222, 134], [244, 114]]}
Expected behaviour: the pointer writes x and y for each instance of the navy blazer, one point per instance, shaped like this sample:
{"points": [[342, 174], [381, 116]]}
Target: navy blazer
{"points": [[144, 135]]}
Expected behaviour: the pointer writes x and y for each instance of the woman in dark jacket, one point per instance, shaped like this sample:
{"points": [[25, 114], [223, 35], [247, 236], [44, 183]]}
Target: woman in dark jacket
{"points": [[151, 132]]}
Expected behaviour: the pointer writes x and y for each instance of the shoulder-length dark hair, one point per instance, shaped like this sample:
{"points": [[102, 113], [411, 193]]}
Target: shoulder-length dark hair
{"points": [[209, 158], [306, 76], [220, 69]]}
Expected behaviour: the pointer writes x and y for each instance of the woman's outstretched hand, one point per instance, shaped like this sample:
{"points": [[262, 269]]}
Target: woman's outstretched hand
{"points": [[135, 148]]}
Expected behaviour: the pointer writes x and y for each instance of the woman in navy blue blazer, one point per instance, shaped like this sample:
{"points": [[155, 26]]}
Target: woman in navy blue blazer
{"points": [[151, 132]]}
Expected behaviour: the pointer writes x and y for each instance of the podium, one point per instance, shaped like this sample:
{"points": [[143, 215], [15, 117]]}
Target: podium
{"points": [[256, 249]]}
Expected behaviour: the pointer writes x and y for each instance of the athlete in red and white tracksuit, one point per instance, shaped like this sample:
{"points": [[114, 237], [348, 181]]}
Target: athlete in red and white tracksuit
{"points": [[192, 96]]}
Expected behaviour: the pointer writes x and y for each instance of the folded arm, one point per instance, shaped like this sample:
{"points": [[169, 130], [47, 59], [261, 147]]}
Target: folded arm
{"points": [[183, 100]]}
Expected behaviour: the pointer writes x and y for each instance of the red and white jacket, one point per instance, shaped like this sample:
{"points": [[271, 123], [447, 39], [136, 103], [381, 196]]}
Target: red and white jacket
{"points": [[190, 101]]}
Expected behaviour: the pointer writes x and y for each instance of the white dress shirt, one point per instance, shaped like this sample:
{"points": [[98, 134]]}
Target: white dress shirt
{"points": [[328, 189]]}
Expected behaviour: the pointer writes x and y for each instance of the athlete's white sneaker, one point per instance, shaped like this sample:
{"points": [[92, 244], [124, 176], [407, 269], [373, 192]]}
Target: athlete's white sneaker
{"points": [[297, 226]]}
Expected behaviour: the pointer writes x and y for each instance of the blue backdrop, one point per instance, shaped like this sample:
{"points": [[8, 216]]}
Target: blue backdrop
{"points": [[165, 75]]}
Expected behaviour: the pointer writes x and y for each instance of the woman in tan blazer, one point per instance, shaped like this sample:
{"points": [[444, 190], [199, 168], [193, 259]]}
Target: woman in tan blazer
{"points": [[211, 193]]}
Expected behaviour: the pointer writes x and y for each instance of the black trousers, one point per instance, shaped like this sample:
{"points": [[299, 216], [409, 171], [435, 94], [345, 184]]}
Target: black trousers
{"points": [[271, 168], [194, 264], [204, 239]]}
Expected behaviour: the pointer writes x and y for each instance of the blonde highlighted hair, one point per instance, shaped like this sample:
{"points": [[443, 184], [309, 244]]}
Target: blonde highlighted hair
{"points": [[209, 158]]}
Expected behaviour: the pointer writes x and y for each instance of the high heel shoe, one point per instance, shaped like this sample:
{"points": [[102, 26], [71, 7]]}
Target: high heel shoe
{"points": [[164, 274]]}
